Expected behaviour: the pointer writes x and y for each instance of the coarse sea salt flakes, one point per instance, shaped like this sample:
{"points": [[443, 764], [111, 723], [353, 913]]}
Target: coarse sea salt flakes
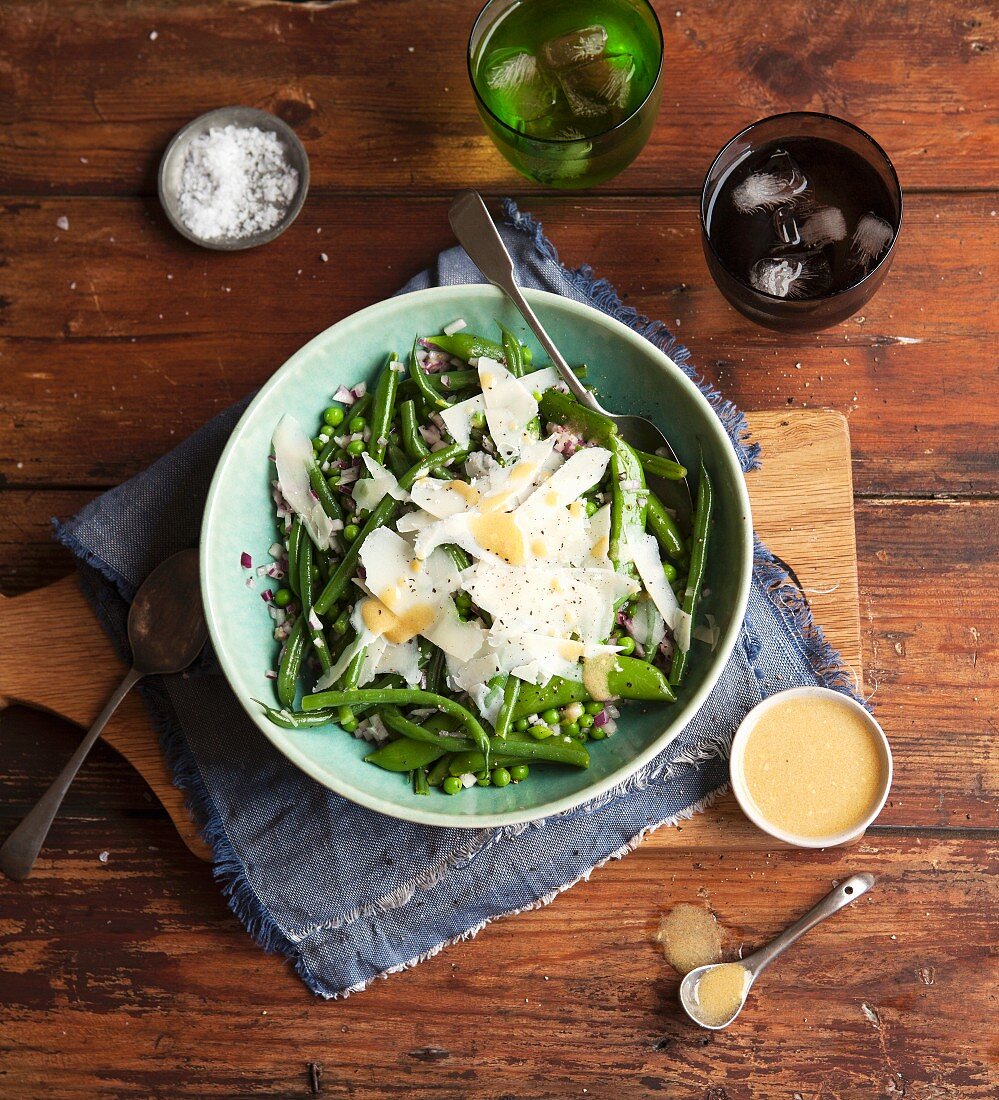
{"points": [[236, 181]]}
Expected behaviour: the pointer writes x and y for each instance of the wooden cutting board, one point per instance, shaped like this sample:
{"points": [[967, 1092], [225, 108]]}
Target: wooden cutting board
{"points": [[802, 508]]}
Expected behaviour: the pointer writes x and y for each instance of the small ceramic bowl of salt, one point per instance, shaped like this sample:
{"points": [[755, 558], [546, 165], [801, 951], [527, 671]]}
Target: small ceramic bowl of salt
{"points": [[233, 178]]}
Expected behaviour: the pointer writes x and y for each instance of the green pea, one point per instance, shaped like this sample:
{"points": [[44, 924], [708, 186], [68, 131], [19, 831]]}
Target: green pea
{"points": [[333, 481], [356, 447], [550, 717], [540, 732], [592, 507], [318, 444], [521, 725], [483, 782], [627, 645], [519, 772], [593, 707], [351, 531], [349, 724], [282, 597], [452, 785], [584, 721], [597, 733], [478, 419], [357, 424], [501, 777], [570, 729], [333, 416], [670, 570]]}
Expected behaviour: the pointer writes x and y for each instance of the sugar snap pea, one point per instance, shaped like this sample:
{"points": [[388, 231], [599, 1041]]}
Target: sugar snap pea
{"points": [[404, 755], [560, 408]]}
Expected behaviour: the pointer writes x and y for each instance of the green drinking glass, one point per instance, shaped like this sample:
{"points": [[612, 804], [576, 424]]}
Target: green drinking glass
{"points": [[569, 92]]}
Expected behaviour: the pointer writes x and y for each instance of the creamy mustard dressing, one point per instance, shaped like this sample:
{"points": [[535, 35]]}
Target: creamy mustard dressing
{"points": [[596, 670], [600, 548], [690, 937], [813, 766], [538, 548], [719, 993], [468, 492], [519, 473], [498, 532], [400, 627]]}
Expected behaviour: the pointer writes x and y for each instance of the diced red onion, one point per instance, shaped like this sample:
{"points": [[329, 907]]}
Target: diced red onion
{"points": [[267, 595], [344, 396], [455, 326], [360, 389], [600, 720], [610, 726], [314, 620], [271, 674], [277, 550], [245, 560], [249, 582]]}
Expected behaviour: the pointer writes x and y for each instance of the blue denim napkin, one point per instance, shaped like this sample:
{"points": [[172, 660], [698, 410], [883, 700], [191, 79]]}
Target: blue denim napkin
{"points": [[347, 894]]}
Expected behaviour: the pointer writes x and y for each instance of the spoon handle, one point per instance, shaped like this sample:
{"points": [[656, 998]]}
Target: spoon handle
{"points": [[21, 848], [479, 237], [847, 892]]}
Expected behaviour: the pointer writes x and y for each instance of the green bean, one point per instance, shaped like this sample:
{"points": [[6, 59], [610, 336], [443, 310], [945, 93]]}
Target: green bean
{"points": [[420, 784], [294, 541], [629, 497], [347, 682], [396, 721], [412, 441], [428, 391], [306, 577], [404, 697], [296, 720], [439, 771], [665, 528], [698, 559], [324, 493], [435, 671], [404, 755], [383, 511], [511, 693], [398, 460], [383, 408], [662, 467], [291, 662]]}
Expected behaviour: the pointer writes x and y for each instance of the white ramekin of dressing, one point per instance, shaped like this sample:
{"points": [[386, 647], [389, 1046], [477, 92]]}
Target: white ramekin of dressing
{"points": [[811, 767]]}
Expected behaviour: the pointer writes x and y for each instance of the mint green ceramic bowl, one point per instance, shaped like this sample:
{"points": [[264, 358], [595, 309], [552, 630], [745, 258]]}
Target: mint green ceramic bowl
{"points": [[631, 375]]}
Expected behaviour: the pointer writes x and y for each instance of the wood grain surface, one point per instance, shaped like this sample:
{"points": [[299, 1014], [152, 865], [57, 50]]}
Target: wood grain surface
{"points": [[122, 972]]}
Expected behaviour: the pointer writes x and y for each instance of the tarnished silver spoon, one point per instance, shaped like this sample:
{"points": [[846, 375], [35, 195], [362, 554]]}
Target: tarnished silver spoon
{"points": [[166, 630], [716, 1004], [477, 234]]}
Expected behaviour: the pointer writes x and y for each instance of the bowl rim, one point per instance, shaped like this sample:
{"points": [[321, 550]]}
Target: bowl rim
{"points": [[740, 788], [679, 717], [790, 116], [248, 116]]}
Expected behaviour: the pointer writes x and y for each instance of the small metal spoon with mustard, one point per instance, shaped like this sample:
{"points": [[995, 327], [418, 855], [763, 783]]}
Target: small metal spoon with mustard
{"points": [[713, 996]]}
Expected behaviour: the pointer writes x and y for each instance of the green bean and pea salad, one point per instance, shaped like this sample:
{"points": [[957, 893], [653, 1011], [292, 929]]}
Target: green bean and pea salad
{"points": [[471, 571]]}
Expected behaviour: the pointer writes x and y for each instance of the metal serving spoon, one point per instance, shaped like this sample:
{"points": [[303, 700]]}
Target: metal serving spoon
{"points": [[477, 234], [844, 894], [166, 630]]}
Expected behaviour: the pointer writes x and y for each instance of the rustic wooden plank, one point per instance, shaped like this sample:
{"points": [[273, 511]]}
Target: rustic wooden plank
{"points": [[134, 974], [380, 96], [929, 599], [98, 319]]}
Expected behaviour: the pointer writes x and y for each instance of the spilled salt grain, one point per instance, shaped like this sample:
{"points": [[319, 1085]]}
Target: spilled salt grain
{"points": [[236, 181], [63, 222]]}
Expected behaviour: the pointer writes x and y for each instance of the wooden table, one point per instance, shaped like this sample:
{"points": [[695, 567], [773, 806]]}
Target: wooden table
{"points": [[122, 973]]}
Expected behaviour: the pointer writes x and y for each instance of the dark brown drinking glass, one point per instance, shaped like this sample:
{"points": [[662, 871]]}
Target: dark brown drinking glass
{"points": [[851, 174]]}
